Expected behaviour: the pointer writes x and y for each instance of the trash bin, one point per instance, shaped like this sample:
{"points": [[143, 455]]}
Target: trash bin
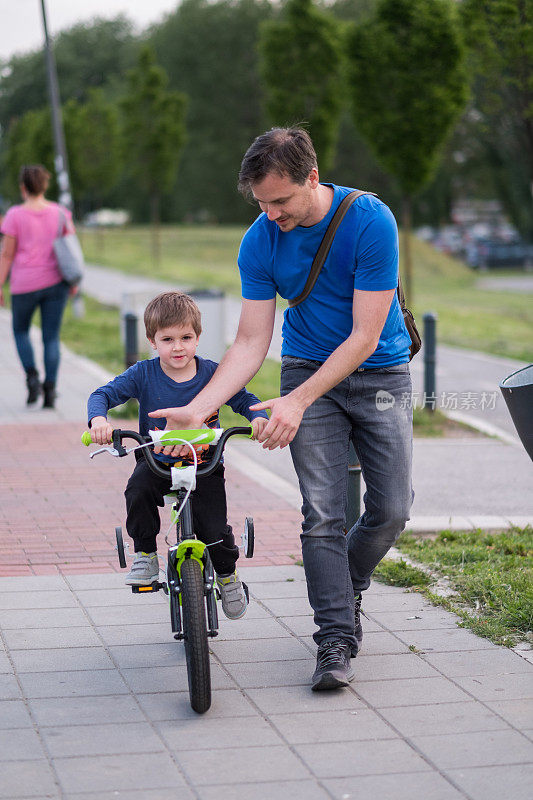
{"points": [[517, 390]]}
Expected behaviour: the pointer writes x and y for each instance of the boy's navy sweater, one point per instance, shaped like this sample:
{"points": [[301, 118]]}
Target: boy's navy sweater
{"points": [[146, 382]]}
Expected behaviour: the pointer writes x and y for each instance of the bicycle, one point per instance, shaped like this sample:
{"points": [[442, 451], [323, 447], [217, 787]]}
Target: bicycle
{"points": [[190, 578]]}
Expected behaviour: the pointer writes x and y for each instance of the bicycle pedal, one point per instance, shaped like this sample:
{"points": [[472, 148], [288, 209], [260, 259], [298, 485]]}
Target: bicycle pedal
{"points": [[152, 587]]}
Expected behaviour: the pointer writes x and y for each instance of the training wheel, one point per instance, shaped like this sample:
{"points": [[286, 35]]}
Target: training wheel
{"points": [[248, 537], [120, 547]]}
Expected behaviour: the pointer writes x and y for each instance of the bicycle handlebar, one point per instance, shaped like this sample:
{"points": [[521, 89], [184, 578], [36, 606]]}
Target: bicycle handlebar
{"points": [[168, 438]]}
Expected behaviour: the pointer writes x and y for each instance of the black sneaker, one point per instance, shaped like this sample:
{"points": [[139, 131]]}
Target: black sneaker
{"points": [[358, 628], [332, 666]]}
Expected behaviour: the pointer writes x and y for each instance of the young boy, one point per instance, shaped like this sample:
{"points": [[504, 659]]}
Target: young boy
{"points": [[173, 326]]}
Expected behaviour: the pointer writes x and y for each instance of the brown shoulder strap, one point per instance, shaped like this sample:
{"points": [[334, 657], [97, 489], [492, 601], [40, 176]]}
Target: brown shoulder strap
{"points": [[325, 244], [401, 296]]}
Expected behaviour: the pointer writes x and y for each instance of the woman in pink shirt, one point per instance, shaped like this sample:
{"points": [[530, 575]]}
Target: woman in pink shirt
{"points": [[27, 252]]}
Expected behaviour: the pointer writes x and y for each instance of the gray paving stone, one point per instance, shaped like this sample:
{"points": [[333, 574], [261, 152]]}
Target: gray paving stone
{"points": [[9, 688], [117, 772], [388, 667], [120, 596], [127, 794], [5, 664], [493, 783], [517, 712], [269, 574], [421, 691], [14, 714], [401, 602], [161, 654], [272, 673], [247, 650], [20, 744], [64, 659], [167, 679], [51, 638], [64, 711], [343, 759], [105, 580], [498, 687], [129, 615], [446, 640], [429, 619], [35, 780], [101, 740], [250, 629], [225, 703], [345, 725], [486, 748], [38, 583], [211, 733], [69, 684], [406, 786], [42, 618], [300, 626], [279, 589], [480, 662], [244, 765], [277, 790], [155, 633], [382, 588], [381, 643], [293, 699], [443, 718], [38, 600], [288, 606]]}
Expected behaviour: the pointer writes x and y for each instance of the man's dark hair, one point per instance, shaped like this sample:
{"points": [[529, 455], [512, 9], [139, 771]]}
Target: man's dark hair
{"points": [[287, 152]]}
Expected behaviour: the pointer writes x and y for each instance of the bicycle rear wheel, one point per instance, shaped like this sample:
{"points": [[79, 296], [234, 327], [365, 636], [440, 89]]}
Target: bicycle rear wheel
{"points": [[195, 635]]}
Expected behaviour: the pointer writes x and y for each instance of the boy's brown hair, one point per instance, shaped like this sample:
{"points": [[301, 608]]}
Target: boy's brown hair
{"points": [[171, 308]]}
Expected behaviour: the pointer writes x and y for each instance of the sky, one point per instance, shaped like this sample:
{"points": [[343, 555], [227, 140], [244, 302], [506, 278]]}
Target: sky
{"points": [[21, 26]]}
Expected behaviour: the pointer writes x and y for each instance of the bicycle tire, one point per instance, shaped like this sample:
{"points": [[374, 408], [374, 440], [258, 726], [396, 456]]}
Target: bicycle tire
{"points": [[195, 635], [120, 547]]}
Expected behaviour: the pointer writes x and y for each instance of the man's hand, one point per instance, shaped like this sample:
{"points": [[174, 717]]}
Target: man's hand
{"points": [[101, 431], [178, 419], [287, 413], [258, 425]]}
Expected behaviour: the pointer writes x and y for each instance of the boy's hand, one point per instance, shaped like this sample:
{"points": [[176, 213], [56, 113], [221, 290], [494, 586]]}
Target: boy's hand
{"points": [[101, 431], [257, 426]]}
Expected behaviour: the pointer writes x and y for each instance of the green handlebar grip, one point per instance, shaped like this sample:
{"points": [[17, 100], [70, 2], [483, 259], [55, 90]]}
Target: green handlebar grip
{"points": [[86, 438]]}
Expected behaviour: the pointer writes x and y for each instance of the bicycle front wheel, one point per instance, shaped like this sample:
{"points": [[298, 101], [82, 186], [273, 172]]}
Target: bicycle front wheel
{"points": [[195, 635]]}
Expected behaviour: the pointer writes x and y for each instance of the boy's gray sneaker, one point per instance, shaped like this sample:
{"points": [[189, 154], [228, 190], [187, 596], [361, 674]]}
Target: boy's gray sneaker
{"points": [[233, 595], [144, 570]]}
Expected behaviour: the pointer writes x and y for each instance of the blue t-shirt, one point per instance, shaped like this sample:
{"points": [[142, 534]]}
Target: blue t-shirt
{"points": [[146, 382], [364, 255]]}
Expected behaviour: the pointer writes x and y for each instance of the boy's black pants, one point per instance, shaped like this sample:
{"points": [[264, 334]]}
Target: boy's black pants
{"points": [[144, 493]]}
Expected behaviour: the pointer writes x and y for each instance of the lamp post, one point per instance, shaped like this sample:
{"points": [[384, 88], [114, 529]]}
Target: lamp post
{"points": [[60, 159]]}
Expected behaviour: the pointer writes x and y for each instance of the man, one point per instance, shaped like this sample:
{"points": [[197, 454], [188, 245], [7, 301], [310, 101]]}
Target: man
{"points": [[344, 372]]}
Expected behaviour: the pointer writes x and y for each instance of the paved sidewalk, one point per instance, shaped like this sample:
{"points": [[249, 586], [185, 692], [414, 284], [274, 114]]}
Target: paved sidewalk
{"points": [[94, 701]]}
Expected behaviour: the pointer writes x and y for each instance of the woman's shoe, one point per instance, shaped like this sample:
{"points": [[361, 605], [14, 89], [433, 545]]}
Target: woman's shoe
{"points": [[34, 386], [49, 390]]}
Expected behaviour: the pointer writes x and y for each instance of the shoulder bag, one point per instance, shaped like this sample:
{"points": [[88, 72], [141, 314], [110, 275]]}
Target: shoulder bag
{"points": [[321, 255], [68, 252]]}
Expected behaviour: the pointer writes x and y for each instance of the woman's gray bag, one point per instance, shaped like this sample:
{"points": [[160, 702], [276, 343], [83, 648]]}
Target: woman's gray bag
{"points": [[68, 252]]}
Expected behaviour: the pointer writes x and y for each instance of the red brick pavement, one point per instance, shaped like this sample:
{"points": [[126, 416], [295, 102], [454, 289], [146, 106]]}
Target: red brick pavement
{"points": [[59, 509]]}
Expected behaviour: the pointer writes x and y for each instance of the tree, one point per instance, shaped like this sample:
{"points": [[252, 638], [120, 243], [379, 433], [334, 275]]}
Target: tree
{"points": [[500, 35], [94, 147], [209, 50], [408, 85], [302, 67], [28, 141], [154, 133]]}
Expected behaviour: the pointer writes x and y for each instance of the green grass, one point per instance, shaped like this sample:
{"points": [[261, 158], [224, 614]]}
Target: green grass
{"points": [[206, 256], [491, 575]]}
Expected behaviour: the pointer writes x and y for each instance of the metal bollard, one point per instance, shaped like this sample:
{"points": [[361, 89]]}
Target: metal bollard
{"points": [[131, 345], [353, 506], [430, 360]]}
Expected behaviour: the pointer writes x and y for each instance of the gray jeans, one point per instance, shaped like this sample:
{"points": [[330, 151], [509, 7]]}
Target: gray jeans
{"points": [[371, 408]]}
